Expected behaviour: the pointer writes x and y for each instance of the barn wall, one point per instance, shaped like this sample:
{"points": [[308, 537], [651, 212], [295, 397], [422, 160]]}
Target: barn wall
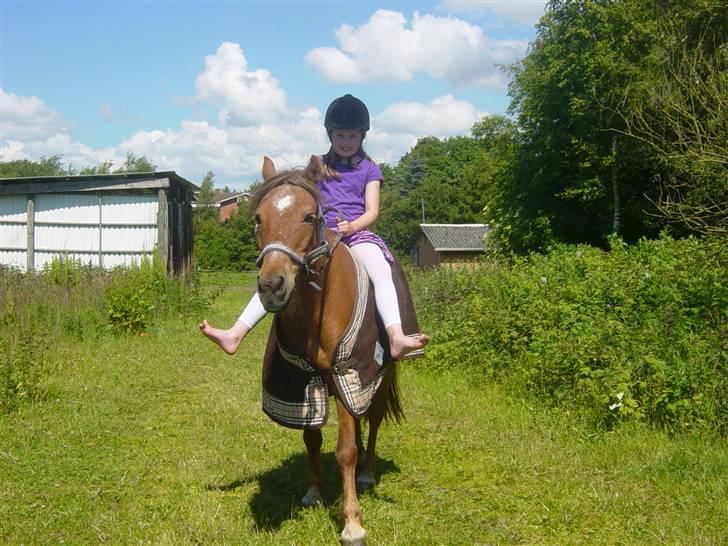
{"points": [[108, 229]]}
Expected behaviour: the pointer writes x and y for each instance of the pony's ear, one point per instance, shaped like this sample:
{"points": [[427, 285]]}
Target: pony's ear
{"points": [[314, 170], [269, 169]]}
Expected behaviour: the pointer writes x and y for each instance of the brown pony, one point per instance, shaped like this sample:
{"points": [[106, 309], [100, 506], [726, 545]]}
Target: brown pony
{"points": [[309, 281]]}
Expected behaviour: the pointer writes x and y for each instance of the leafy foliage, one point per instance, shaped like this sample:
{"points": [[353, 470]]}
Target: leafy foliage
{"points": [[224, 246], [76, 302], [45, 166], [636, 333]]}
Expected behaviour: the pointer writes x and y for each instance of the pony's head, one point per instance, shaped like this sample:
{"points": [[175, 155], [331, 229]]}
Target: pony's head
{"points": [[289, 229]]}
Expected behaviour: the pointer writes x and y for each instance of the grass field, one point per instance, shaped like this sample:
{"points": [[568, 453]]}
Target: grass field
{"points": [[160, 439]]}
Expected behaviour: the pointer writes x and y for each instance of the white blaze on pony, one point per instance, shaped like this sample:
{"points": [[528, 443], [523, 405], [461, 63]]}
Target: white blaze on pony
{"points": [[283, 202]]}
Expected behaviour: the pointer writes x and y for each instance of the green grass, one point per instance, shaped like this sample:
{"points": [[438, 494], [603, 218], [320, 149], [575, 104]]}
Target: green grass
{"points": [[160, 439]]}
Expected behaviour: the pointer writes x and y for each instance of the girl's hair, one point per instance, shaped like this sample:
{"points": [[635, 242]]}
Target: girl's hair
{"points": [[329, 159]]}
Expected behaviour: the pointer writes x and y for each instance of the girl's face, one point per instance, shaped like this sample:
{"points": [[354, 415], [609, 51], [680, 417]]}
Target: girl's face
{"points": [[346, 142]]}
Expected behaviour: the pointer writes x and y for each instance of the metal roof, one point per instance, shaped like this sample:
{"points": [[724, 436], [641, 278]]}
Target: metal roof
{"points": [[455, 237], [93, 182]]}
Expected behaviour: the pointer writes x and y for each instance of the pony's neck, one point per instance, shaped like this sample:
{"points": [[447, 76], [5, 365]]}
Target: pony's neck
{"points": [[314, 321]]}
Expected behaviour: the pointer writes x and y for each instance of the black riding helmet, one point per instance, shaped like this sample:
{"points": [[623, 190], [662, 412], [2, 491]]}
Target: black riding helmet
{"points": [[346, 112]]}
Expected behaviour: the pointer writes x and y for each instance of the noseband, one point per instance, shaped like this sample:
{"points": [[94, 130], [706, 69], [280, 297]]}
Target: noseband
{"points": [[305, 261]]}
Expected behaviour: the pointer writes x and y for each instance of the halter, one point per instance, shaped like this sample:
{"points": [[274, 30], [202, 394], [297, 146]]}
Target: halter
{"points": [[305, 261]]}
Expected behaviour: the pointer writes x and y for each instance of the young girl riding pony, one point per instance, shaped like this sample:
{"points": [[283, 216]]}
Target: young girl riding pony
{"points": [[351, 187]]}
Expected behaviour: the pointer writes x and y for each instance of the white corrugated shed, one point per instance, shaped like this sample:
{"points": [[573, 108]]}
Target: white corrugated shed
{"points": [[107, 220]]}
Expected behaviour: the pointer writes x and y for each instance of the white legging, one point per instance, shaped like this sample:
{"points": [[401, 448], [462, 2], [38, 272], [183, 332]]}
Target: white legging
{"points": [[380, 273]]}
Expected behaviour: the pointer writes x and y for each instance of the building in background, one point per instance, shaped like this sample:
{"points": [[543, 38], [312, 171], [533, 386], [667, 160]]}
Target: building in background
{"points": [[104, 220], [452, 245], [227, 204]]}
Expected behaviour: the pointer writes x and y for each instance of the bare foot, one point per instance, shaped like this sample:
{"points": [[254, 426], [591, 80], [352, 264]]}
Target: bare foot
{"points": [[401, 345], [228, 340]]}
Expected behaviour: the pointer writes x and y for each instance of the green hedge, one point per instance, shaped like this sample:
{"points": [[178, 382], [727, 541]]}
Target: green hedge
{"points": [[638, 332]]}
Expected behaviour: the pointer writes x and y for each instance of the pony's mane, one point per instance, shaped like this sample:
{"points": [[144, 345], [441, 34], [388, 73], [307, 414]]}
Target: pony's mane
{"points": [[295, 177]]}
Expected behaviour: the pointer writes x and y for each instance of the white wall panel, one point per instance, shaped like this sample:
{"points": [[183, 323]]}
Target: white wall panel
{"points": [[137, 239], [43, 258], [66, 238], [68, 208], [13, 236], [115, 260], [13, 208], [14, 259], [129, 209]]}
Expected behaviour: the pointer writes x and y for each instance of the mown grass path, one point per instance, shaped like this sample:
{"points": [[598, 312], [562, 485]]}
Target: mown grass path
{"points": [[160, 439]]}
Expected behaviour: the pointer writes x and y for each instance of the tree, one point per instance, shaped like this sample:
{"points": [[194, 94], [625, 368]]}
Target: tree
{"points": [[102, 168], [45, 166], [683, 118], [134, 164], [207, 189], [571, 180]]}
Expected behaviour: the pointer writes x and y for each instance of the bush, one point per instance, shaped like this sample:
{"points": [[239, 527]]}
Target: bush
{"points": [[68, 300], [634, 333]]}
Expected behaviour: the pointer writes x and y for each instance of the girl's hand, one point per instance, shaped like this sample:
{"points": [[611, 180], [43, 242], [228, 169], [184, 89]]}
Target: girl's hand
{"points": [[344, 227]]}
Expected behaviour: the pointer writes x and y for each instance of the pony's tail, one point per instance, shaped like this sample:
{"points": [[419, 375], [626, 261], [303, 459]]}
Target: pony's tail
{"points": [[393, 408]]}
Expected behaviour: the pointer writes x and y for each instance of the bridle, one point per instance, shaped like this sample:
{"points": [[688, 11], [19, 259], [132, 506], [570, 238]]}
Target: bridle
{"points": [[306, 261]]}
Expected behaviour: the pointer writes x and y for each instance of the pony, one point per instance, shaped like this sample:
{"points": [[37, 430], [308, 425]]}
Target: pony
{"points": [[314, 287]]}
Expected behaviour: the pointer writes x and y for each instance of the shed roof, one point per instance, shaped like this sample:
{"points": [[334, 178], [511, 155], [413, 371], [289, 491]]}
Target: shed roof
{"points": [[455, 237], [93, 182]]}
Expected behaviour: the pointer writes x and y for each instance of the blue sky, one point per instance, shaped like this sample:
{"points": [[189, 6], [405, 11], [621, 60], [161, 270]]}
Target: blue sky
{"points": [[212, 86]]}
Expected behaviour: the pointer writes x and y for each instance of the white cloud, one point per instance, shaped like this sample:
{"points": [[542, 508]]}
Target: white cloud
{"points": [[28, 118], [386, 49], [247, 97], [522, 12], [443, 117], [232, 150], [400, 125]]}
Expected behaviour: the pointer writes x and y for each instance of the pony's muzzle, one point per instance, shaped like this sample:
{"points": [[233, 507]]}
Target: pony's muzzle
{"points": [[275, 282]]}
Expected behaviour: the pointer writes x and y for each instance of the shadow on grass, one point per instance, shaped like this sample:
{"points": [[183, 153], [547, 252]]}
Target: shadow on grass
{"points": [[280, 489]]}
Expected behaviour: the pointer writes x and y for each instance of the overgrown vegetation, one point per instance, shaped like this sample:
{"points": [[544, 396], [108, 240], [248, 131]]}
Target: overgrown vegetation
{"points": [[71, 301], [224, 246], [160, 439], [636, 333]]}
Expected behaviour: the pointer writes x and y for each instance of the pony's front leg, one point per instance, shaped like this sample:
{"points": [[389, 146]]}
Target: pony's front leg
{"points": [[313, 440], [346, 456]]}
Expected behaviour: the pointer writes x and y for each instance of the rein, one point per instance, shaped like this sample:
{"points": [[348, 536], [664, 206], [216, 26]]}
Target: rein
{"points": [[306, 260]]}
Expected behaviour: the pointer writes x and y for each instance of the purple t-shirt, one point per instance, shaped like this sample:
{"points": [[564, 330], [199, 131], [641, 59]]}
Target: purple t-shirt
{"points": [[347, 195]]}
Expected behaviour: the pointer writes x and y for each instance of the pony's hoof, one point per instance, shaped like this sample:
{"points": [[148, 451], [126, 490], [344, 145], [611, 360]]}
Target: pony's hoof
{"points": [[353, 536], [312, 497], [365, 481]]}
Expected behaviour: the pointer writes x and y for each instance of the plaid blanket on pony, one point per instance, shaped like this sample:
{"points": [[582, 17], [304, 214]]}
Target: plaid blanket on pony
{"points": [[295, 393]]}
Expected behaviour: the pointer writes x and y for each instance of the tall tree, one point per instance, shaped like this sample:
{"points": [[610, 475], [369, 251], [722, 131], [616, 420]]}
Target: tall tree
{"points": [[572, 180], [683, 118], [207, 189]]}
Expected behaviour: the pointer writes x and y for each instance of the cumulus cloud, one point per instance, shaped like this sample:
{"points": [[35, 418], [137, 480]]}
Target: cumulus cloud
{"points": [[400, 125], [245, 96], [224, 145], [522, 12], [386, 48], [28, 118]]}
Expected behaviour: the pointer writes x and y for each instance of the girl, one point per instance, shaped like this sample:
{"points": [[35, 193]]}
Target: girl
{"points": [[351, 184]]}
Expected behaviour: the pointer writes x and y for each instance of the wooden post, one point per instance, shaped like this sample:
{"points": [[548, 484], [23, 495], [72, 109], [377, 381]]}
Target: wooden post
{"points": [[101, 237], [30, 222], [163, 228]]}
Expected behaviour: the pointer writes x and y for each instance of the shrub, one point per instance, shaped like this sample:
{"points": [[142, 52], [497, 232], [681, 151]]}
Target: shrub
{"points": [[68, 300], [634, 333]]}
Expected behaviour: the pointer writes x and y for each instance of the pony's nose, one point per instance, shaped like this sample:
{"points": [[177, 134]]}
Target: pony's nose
{"points": [[273, 285]]}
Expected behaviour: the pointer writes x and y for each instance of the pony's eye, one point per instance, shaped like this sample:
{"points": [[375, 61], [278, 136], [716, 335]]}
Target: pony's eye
{"points": [[310, 219]]}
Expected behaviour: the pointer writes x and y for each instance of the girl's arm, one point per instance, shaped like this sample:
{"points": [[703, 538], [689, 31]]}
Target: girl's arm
{"points": [[371, 210]]}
